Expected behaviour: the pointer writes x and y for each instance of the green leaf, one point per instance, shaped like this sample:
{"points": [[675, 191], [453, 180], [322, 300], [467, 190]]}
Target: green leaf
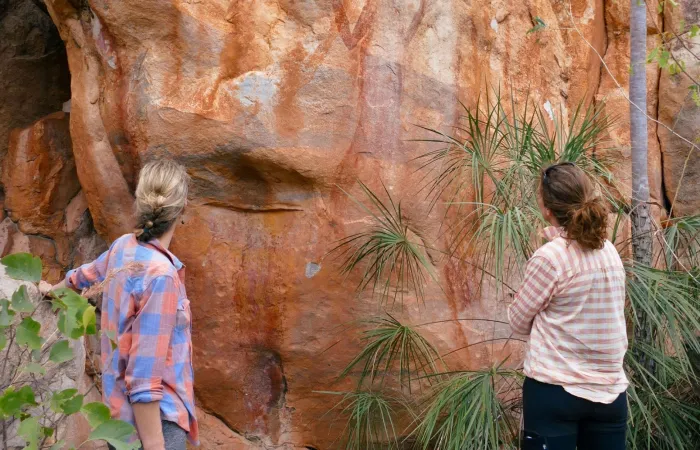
{"points": [[695, 89], [34, 368], [89, 319], [663, 58], [48, 432], [6, 314], [36, 355], [29, 430], [653, 55], [28, 333], [22, 266], [72, 308], [67, 401], [117, 433], [694, 30], [13, 401], [96, 414], [21, 301], [58, 305], [466, 412], [112, 336], [538, 25], [73, 405], [70, 298], [59, 397], [394, 262], [3, 340], [61, 352]]}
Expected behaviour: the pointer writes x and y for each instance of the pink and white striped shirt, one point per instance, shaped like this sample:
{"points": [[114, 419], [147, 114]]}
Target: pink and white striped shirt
{"points": [[572, 303]]}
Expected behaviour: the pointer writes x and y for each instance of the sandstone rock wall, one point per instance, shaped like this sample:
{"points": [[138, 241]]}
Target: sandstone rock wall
{"points": [[680, 110], [34, 77], [274, 106], [47, 213]]}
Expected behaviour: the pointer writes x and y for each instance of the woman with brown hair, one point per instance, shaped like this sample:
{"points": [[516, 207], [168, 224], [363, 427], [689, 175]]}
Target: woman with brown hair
{"points": [[571, 303]]}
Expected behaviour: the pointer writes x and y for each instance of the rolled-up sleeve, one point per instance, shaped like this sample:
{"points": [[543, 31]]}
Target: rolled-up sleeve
{"points": [[88, 274], [534, 294], [151, 332]]}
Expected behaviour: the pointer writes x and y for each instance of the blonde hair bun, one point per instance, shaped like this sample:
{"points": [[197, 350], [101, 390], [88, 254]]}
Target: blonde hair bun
{"points": [[161, 196]]}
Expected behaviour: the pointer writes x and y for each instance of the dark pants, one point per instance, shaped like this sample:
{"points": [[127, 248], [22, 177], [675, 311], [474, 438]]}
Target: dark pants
{"points": [[557, 420], [173, 435]]}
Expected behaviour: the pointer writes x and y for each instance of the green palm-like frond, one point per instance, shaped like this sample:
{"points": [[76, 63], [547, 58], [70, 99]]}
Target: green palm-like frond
{"points": [[662, 421], [669, 301], [391, 346], [370, 420], [389, 255], [582, 142], [469, 163], [490, 171], [664, 402], [470, 411], [682, 241], [503, 239]]}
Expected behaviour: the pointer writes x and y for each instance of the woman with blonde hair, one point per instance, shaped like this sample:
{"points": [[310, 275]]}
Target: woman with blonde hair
{"points": [[147, 379], [571, 303]]}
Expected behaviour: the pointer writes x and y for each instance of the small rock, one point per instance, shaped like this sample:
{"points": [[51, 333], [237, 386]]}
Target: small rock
{"points": [[312, 269], [7, 232], [75, 212]]}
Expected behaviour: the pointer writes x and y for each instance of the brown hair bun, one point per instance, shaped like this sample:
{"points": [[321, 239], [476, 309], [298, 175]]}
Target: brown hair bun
{"points": [[569, 194]]}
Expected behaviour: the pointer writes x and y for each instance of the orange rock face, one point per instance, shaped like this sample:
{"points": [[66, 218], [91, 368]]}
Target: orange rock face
{"points": [[48, 212], [274, 106], [39, 175]]}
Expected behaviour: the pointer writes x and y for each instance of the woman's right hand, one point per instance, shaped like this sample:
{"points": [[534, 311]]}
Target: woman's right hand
{"points": [[45, 288]]}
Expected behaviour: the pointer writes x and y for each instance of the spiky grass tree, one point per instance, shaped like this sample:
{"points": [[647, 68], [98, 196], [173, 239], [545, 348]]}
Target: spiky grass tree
{"points": [[370, 420], [386, 248], [471, 410]]}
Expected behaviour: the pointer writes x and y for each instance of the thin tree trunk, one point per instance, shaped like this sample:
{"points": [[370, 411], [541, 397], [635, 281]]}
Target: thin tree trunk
{"points": [[641, 217]]}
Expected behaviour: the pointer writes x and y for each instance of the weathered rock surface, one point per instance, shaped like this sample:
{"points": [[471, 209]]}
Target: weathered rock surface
{"points": [[274, 104], [217, 436], [679, 109], [34, 77], [47, 210], [39, 175]]}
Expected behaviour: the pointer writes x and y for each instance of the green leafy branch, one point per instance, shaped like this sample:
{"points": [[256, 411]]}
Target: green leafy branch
{"points": [[30, 353], [682, 37]]}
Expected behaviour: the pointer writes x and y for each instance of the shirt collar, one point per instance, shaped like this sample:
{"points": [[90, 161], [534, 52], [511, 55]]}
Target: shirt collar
{"points": [[155, 243], [551, 233]]}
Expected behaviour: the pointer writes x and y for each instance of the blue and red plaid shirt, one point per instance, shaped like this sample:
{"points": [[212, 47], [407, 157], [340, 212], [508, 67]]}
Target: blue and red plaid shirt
{"points": [[145, 307]]}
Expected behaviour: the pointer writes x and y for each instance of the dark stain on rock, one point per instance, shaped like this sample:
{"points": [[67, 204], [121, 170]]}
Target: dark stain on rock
{"points": [[266, 390], [232, 176]]}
